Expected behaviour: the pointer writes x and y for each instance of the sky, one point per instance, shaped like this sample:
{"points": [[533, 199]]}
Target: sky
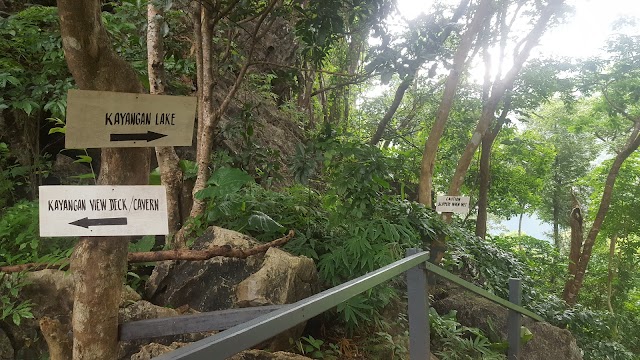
{"points": [[582, 35]]}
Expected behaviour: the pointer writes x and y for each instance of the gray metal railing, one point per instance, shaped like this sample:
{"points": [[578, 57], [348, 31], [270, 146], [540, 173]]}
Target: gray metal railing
{"points": [[263, 327]]}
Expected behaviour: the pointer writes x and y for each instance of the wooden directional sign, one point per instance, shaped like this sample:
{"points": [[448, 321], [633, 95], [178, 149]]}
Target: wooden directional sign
{"points": [[103, 210], [101, 119], [454, 204]]}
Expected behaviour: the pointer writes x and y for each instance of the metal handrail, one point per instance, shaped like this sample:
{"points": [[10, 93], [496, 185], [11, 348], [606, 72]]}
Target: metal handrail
{"points": [[241, 337], [259, 329]]}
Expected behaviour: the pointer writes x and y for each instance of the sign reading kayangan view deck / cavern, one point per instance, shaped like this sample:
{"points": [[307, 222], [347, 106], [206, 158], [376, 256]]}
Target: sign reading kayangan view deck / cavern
{"points": [[453, 204], [101, 119], [103, 210]]}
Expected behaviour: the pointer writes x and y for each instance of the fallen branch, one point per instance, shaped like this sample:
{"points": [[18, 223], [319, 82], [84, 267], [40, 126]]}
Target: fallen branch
{"points": [[226, 251], [150, 256]]}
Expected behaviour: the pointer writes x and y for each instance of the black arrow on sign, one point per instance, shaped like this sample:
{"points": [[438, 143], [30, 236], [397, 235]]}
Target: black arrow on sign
{"points": [[148, 136], [86, 222]]}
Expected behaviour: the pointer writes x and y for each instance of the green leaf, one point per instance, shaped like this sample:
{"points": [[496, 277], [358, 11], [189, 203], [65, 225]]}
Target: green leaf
{"points": [[260, 221], [225, 181], [84, 176], [54, 130], [16, 318], [154, 177], [83, 159]]}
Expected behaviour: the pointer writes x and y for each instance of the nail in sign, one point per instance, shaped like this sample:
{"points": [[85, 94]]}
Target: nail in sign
{"points": [[103, 119], [103, 210]]}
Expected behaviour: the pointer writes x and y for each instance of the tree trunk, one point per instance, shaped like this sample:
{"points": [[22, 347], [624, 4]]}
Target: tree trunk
{"points": [[391, 111], [425, 186], [168, 161], [520, 223], [556, 207], [99, 264], [205, 19], [485, 172], [611, 270], [574, 283], [499, 89]]}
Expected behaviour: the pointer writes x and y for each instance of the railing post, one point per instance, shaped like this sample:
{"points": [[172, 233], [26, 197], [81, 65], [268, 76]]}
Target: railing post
{"points": [[418, 299], [514, 320]]}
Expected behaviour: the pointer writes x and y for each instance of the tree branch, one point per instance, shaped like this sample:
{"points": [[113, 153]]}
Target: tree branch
{"points": [[151, 256]]}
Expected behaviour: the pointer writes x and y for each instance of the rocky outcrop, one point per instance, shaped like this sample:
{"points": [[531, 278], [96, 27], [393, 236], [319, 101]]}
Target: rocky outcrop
{"points": [[142, 310], [203, 285], [223, 283], [548, 342], [219, 283], [150, 351], [6, 349]]}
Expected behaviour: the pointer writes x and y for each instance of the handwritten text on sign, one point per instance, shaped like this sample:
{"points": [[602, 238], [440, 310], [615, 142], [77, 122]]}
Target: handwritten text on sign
{"points": [[97, 119], [102, 210], [455, 204]]}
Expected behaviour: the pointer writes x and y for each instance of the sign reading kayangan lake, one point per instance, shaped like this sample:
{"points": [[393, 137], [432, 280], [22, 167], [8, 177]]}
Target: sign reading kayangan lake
{"points": [[99, 119], [103, 210], [454, 204]]}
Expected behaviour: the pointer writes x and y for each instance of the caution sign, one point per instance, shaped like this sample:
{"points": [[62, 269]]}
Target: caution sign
{"points": [[103, 210], [453, 204]]}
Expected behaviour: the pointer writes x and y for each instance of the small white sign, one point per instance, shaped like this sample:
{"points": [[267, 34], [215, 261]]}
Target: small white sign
{"points": [[103, 210], [453, 204]]}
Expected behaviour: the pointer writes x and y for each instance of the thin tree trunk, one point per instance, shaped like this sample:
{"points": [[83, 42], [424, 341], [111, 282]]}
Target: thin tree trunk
{"points": [[574, 283], [556, 207], [391, 111], [168, 161], [497, 93], [99, 264], [611, 270], [483, 11], [520, 223], [205, 19]]}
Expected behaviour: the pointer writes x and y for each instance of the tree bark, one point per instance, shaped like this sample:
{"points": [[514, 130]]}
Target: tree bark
{"points": [[497, 93], [574, 282], [391, 111], [485, 173], [99, 264], [168, 161], [611, 270], [483, 11]]}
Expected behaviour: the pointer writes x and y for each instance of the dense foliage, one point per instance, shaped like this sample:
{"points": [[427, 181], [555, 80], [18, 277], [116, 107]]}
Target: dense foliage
{"points": [[352, 201]]}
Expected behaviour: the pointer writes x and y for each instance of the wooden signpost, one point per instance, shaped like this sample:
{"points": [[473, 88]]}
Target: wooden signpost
{"points": [[103, 210], [101, 119], [452, 204]]}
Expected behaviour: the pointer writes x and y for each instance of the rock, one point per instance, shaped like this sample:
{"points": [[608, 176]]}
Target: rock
{"points": [[264, 355], [69, 172], [203, 285], [548, 342], [6, 349], [152, 350], [142, 310], [220, 283], [282, 279], [51, 293]]}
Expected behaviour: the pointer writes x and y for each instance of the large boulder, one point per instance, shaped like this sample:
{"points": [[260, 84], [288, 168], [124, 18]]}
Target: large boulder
{"points": [[203, 285], [223, 283], [220, 283], [548, 342]]}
